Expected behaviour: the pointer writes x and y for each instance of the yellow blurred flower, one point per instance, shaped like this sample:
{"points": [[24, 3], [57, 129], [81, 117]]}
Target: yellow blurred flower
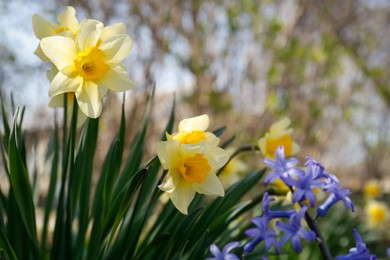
{"points": [[279, 134], [191, 163], [377, 214], [279, 186], [230, 174], [89, 64], [67, 25], [372, 189]]}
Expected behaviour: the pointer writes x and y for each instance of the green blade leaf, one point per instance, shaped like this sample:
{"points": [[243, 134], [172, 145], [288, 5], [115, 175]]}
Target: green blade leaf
{"points": [[20, 183], [6, 247]]}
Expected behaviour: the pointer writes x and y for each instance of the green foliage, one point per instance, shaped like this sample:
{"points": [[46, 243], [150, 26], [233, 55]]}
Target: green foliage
{"points": [[123, 216]]}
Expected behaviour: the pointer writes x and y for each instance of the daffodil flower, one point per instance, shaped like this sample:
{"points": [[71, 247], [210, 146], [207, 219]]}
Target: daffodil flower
{"points": [[191, 163], [193, 131], [279, 135], [89, 64], [67, 25]]}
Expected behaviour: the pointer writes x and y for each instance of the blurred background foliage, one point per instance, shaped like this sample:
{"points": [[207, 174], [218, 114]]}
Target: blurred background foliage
{"points": [[324, 64]]}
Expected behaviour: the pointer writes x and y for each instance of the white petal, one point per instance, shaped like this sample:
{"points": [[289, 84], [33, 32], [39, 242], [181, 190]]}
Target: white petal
{"points": [[42, 27], [112, 30], [194, 123], [81, 117], [51, 73], [70, 71], [280, 127], [216, 156], [60, 50], [117, 48], [63, 84], [168, 153], [89, 100], [68, 19], [38, 51], [57, 101], [212, 139], [167, 184], [210, 186], [182, 196], [116, 79], [88, 34]]}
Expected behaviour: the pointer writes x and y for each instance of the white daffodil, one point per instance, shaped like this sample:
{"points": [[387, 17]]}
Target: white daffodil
{"points": [[67, 25], [279, 134], [192, 131], [191, 157], [89, 64]]}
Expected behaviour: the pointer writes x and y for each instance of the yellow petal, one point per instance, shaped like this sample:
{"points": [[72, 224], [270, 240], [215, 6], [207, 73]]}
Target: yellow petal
{"points": [[68, 19], [63, 84], [182, 196], [88, 34], [194, 123], [117, 48], [89, 99], [210, 186], [42, 27], [59, 50], [112, 30], [116, 79]]}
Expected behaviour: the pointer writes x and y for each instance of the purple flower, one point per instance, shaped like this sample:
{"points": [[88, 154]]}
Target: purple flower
{"points": [[224, 255], [294, 231], [336, 194], [318, 171], [360, 252], [271, 214], [304, 185], [259, 233], [281, 167]]}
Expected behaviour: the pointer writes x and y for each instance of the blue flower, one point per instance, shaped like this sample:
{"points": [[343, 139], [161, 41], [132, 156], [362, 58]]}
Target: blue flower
{"points": [[304, 185], [224, 255], [294, 231], [259, 233], [318, 171], [271, 214], [360, 252], [336, 194], [281, 167]]}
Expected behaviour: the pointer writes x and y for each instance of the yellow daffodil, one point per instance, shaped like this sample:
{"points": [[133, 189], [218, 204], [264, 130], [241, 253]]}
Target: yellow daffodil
{"points": [[191, 163], [279, 134], [372, 189], [89, 64], [67, 25], [377, 214]]}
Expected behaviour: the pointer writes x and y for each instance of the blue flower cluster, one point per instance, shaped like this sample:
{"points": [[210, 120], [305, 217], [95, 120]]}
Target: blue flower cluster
{"points": [[301, 182]]}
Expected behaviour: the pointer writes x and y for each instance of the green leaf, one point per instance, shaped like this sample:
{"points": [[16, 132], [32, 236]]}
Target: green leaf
{"points": [[54, 150], [6, 247], [20, 184]]}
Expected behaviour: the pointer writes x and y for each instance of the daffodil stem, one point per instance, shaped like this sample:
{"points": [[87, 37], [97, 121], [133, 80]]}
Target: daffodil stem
{"points": [[319, 238], [244, 148]]}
